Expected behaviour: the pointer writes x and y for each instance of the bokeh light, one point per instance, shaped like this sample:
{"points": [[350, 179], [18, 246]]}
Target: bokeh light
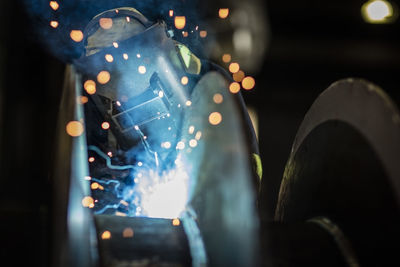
{"points": [[223, 13], [377, 11], [76, 35], [90, 87], [74, 128], [198, 135], [193, 143], [248, 83], [218, 98], [105, 125], [234, 87], [88, 202], [203, 34], [215, 118], [180, 22], [234, 67], [109, 58], [184, 80], [238, 76], [54, 24], [106, 235], [226, 58], [83, 99], [127, 233], [106, 23], [142, 69], [180, 145], [94, 186], [176, 222], [103, 77], [54, 5]]}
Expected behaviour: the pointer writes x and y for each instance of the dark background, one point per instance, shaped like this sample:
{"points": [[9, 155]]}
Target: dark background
{"points": [[312, 44]]}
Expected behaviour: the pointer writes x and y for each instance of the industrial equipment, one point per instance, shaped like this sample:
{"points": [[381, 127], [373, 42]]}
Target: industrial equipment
{"points": [[156, 168]]}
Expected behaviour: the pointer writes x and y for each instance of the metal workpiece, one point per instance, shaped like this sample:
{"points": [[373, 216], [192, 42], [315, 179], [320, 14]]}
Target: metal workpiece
{"points": [[344, 167], [221, 190], [141, 241], [73, 226]]}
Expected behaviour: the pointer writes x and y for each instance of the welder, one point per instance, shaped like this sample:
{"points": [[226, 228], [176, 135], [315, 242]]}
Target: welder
{"points": [[139, 81]]}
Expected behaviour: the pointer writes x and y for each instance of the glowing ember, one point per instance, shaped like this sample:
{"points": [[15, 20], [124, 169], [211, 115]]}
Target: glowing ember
{"points": [[103, 77], [109, 58], [115, 44], [106, 23], [74, 128], [234, 87], [226, 58], [76, 35], [215, 118], [185, 34], [176, 222], [142, 69], [188, 103], [223, 13], [180, 22], [91, 159], [125, 56], [127, 233], [184, 80], [54, 24], [218, 98], [234, 67], [105, 125], [106, 235], [88, 202], [90, 87], [54, 5], [248, 83], [238, 76], [203, 34], [109, 154], [171, 13]]}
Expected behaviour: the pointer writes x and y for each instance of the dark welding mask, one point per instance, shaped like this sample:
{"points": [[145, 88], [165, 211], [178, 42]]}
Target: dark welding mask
{"points": [[142, 78]]}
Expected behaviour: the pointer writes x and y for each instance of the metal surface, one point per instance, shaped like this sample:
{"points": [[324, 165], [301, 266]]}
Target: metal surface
{"points": [[222, 194], [72, 223], [141, 241], [344, 166], [340, 239]]}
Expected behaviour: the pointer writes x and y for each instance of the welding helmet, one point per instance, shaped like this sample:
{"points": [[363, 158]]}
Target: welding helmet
{"points": [[142, 78]]}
